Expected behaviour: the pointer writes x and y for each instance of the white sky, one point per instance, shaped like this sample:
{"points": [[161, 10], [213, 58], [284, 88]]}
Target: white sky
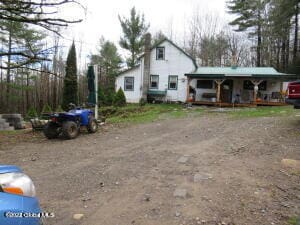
{"points": [[101, 18]]}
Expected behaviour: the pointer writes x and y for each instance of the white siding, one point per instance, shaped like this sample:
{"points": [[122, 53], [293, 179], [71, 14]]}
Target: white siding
{"points": [[135, 95], [175, 63]]}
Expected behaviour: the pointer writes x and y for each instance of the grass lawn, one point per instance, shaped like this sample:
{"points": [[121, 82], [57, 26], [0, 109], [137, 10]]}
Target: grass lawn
{"points": [[263, 111], [134, 113]]}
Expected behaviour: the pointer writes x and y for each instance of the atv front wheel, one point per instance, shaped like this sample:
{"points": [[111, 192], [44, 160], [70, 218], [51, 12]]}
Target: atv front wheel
{"points": [[70, 129], [92, 127], [51, 130]]}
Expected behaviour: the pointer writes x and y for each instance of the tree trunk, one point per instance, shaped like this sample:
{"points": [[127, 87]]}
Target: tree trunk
{"points": [[258, 49], [283, 53], [8, 68], [295, 49]]}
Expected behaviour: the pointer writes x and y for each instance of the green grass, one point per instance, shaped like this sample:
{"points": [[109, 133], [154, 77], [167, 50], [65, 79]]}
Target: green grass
{"points": [[294, 220], [133, 113], [263, 111]]}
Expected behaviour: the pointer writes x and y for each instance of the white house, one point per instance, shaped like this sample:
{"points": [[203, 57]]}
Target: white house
{"points": [[168, 66], [168, 73]]}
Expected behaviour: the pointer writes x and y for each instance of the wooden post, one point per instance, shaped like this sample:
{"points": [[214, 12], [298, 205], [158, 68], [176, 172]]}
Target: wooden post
{"points": [[255, 90], [188, 89], [219, 82]]}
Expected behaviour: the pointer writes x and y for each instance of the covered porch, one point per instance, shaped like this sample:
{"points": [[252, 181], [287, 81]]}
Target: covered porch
{"points": [[237, 86]]}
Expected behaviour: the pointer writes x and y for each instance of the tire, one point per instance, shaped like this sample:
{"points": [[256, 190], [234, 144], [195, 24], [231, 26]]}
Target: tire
{"points": [[51, 130], [70, 130], [92, 127]]}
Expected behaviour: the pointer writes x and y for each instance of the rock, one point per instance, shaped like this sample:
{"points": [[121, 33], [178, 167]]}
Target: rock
{"points": [[291, 163], [201, 177], [180, 193], [183, 159], [177, 214], [78, 216]]}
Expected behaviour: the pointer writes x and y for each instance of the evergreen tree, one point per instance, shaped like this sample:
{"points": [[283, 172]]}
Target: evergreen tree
{"points": [[109, 61], [119, 99], [134, 29], [70, 92], [250, 17], [158, 37]]}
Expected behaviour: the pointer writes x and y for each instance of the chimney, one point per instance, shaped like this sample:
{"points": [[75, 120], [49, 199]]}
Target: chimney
{"points": [[146, 74], [234, 60]]}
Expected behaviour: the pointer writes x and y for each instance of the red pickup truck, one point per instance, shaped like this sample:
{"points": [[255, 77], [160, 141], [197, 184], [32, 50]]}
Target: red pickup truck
{"points": [[294, 94]]}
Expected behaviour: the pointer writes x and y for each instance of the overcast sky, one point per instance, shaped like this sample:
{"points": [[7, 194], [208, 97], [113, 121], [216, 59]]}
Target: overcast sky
{"points": [[101, 18]]}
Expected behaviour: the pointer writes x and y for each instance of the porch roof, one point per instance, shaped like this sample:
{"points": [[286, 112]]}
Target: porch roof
{"points": [[241, 72]]}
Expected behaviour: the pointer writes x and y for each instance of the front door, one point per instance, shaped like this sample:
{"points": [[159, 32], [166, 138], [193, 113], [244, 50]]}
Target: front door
{"points": [[226, 91]]}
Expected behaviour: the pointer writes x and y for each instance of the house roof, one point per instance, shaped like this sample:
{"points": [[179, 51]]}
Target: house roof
{"points": [[156, 45], [129, 69], [222, 72]]}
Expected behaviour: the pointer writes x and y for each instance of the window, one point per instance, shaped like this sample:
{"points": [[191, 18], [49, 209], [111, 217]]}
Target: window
{"points": [[205, 84], [129, 83], [154, 81], [160, 53], [173, 80], [248, 85]]}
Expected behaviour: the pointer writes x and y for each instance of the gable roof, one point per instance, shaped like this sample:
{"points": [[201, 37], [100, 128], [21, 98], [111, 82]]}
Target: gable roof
{"points": [[129, 69], [155, 46], [220, 72], [176, 46]]}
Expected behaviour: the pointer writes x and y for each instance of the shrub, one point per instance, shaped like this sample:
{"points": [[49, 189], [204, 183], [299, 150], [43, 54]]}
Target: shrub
{"points": [[142, 102], [59, 109], [119, 99], [109, 95], [101, 96], [31, 113], [46, 109]]}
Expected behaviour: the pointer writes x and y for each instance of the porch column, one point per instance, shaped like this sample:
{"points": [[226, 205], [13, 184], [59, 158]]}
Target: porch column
{"points": [[188, 89], [255, 83], [219, 82]]}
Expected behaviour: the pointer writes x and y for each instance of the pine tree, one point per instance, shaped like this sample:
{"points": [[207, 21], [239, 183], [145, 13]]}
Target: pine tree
{"points": [[70, 92], [134, 30], [109, 61], [250, 17], [119, 99]]}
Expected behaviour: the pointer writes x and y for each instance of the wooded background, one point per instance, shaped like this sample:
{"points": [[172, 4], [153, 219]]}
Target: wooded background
{"points": [[33, 60]]}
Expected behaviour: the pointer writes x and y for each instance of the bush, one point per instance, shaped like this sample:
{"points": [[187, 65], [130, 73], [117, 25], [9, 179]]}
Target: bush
{"points": [[119, 99], [59, 109], [46, 109], [101, 96], [109, 96], [142, 102], [31, 113]]}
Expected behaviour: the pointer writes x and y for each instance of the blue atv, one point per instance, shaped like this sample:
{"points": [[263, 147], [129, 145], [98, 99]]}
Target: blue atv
{"points": [[68, 123]]}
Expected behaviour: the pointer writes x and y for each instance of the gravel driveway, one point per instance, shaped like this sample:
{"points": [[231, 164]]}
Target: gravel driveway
{"points": [[197, 170]]}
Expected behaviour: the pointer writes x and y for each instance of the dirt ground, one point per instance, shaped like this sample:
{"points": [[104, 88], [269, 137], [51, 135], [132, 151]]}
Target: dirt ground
{"points": [[230, 170]]}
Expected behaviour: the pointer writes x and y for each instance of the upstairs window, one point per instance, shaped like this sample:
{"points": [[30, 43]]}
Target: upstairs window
{"points": [[173, 80], [154, 81], [128, 83], [160, 53]]}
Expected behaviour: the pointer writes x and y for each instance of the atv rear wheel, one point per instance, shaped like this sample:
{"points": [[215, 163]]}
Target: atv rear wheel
{"points": [[70, 129], [51, 130], [92, 127]]}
